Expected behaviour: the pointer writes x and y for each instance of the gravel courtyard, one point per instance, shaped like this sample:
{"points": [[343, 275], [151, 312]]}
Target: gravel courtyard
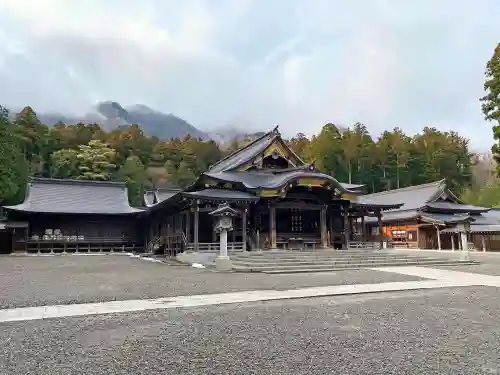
{"points": [[441, 331], [436, 331], [36, 281]]}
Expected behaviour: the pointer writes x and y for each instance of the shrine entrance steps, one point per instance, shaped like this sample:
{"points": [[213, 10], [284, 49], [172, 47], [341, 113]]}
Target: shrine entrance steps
{"points": [[290, 261]]}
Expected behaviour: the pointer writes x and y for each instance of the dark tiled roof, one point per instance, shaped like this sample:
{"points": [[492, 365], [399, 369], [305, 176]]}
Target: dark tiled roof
{"points": [[164, 193], [46, 195], [153, 197], [492, 228], [221, 195], [444, 218], [248, 152], [268, 180], [395, 215], [474, 228], [363, 201], [454, 207], [491, 217], [413, 197], [352, 186], [245, 154]]}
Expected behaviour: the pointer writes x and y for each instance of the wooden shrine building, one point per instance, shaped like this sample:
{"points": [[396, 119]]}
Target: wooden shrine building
{"points": [[429, 217], [283, 203], [73, 215]]}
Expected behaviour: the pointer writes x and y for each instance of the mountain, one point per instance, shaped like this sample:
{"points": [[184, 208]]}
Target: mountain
{"points": [[111, 114]]}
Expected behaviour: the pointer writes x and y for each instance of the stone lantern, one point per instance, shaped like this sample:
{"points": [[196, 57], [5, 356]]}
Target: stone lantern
{"points": [[224, 215]]}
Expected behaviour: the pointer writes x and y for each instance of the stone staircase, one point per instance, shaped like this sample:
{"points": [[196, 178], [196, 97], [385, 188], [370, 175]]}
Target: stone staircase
{"points": [[289, 261]]}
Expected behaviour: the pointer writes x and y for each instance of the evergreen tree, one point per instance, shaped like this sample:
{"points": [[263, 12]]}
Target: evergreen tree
{"points": [[134, 175], [491, 101], [13, 168]]}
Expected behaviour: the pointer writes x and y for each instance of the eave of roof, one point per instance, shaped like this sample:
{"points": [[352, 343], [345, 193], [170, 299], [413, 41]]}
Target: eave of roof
{"points": [[221, 195], [443, 219], [245, 153], [441, 206], [255, 180], [363, 201], [393, 215], [494, 228], [414, 197], [58, 196], [250, 151]]}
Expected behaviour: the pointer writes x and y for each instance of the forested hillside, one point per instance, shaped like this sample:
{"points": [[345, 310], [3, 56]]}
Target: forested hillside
{"points": [[82, 151]]}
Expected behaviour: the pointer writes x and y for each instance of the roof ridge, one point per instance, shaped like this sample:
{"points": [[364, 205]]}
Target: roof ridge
{"points": [[273, 132], [407, 188], [64, 181]]}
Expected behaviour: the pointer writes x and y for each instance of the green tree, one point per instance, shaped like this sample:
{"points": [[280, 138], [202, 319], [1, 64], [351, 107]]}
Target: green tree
{"points": [[491, 101], [96, 161], [35, 137], [132, 172], [13, 168], [394, 154], [326, 150], [299, 145], [64, 164], [486, 195]]}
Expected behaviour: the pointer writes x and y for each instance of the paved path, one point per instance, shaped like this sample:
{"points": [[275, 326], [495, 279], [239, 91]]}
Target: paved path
{"points": [[440, 279], [443, 274]]}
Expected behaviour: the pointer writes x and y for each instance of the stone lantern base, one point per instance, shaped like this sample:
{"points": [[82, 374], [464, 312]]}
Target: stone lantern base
{"points": [[223, 264]]}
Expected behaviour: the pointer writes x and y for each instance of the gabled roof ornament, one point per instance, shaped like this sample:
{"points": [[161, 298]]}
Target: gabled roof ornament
{"points": [[276, 130]]}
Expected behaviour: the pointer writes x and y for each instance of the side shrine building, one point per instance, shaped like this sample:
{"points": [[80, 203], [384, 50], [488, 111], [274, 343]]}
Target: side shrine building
{"points": [[281, 201]]}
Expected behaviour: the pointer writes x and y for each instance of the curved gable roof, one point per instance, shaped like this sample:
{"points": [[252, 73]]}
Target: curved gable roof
{"points": [[46, 195], [413, 197], [248, 152]]}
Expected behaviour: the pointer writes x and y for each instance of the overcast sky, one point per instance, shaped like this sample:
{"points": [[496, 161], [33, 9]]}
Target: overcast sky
{"points": [[299, 63]]}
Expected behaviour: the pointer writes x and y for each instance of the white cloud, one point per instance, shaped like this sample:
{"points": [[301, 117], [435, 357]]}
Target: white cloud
{"points": [[369, 83], [296, 63]]}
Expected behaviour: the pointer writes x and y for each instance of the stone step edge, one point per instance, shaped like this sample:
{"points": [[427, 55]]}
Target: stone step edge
{"points": [[350, 267], [333, 263]]}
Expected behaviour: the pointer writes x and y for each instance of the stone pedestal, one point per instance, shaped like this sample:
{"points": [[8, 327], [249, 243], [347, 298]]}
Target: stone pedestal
{"points": [[464, 253], [223, 264]]}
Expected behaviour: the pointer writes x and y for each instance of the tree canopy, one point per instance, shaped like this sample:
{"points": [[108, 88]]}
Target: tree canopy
{"points": [[86, 151]]}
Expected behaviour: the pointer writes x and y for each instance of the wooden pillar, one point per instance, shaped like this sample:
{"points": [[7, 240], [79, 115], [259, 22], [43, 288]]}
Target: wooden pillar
{"points": [[323, 229], [347, 232], [380, 231], [244, 228], [272, 227], [438, 233], [330, 228], [418, 236], [363, 228], [483, 242], [452, 242], [188, 226], [196, 227]]}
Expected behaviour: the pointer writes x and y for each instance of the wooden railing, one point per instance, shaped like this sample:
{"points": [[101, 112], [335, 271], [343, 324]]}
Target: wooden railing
{"points": [[86, 244], [214, 246], [174, 243], [405, 244], [363, 245]]}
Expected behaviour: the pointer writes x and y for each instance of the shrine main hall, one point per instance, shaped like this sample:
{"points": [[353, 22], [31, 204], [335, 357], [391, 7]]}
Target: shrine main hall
{"points": [[282, 203]]}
